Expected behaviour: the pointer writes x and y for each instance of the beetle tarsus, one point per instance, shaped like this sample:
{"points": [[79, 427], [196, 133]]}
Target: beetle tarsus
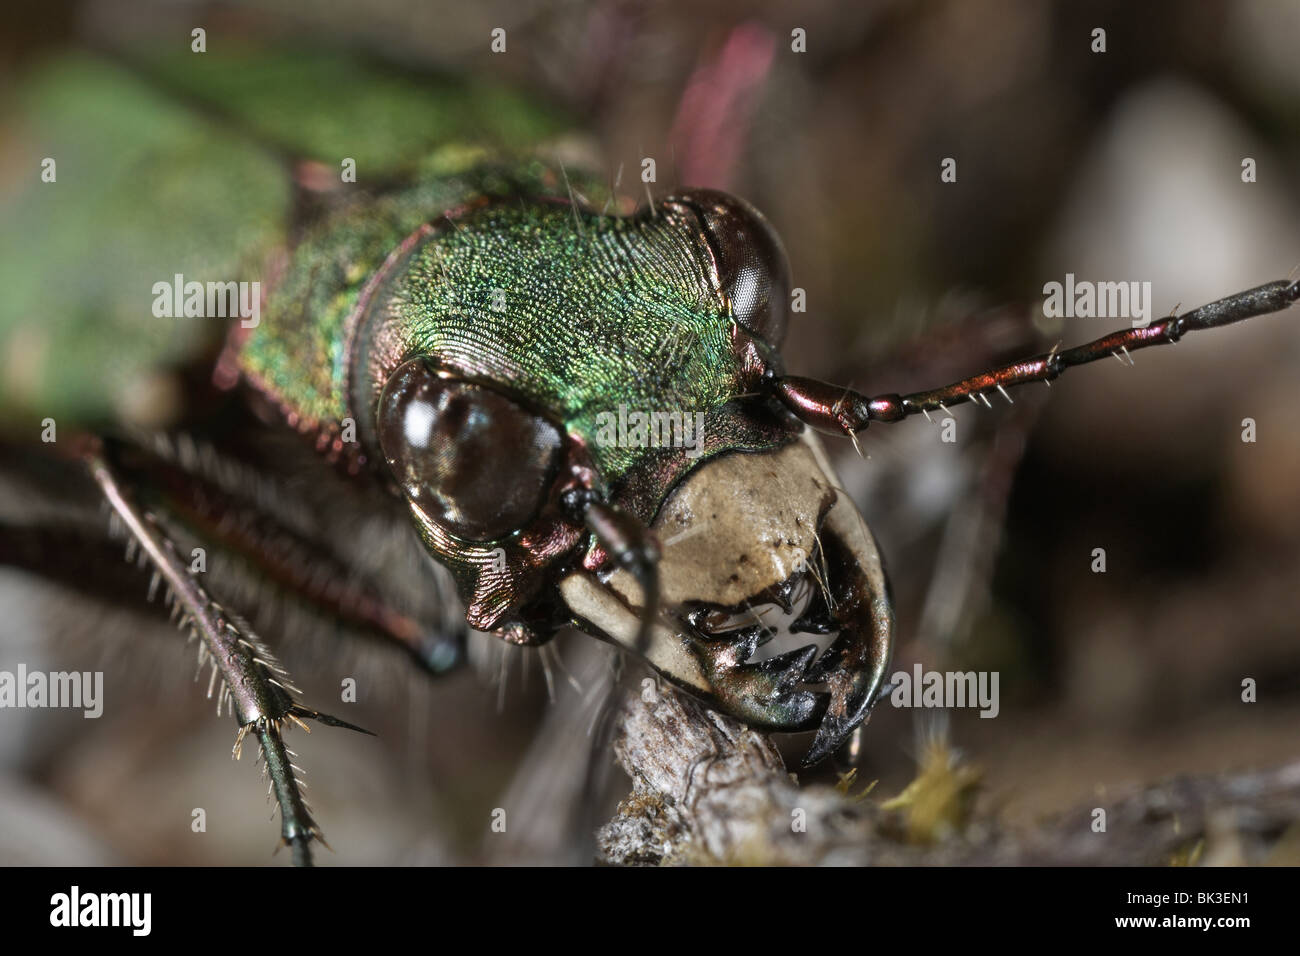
{"points": [[297, 826]]}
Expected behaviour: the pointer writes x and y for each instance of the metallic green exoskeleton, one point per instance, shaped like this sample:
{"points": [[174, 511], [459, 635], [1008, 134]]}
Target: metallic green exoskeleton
{"points": [[492, 355], [581, 417]]}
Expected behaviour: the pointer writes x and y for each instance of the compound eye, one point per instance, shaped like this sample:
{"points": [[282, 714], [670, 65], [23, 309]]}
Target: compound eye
{"points": [[473, 460], [752, 264]]}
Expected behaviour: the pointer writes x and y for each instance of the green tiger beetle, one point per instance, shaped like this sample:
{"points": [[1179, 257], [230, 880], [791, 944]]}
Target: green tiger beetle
{"points": [[582, 416]]}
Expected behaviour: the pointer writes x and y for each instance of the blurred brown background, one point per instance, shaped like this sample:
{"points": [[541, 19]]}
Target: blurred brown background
{"points": [[1123, 165]]}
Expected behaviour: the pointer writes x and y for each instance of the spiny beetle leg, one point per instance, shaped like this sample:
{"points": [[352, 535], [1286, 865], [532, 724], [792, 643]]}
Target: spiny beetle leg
{"points": [[297, 827], [236, 505], [253, 683]]}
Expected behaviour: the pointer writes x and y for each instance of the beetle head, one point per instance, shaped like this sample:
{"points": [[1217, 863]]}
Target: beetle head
{"points": [[505, 432]]}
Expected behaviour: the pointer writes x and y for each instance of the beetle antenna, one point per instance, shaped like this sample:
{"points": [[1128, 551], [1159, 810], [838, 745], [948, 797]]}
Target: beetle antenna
{"points": [[835, 410]]}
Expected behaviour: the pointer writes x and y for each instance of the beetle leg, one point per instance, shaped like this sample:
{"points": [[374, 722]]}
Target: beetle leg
{"points": [[842, 411], [254, 684]]}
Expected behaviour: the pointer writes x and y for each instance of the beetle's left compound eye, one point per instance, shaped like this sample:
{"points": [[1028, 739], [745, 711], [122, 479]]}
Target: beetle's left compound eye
{"points": [[476, 462], [752, 267]]}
